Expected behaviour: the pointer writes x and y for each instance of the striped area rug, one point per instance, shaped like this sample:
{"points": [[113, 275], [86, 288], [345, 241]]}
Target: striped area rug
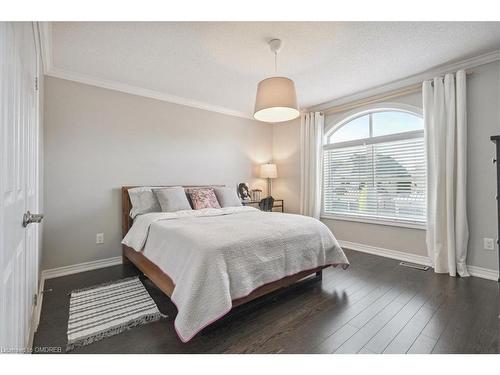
{"points": [[108, 309]]}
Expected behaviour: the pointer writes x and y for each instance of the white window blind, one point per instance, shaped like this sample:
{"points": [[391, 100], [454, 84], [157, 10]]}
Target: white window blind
{"points": [[385, 177]]}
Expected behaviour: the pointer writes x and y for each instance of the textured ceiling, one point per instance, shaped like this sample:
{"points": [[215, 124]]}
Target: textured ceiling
{"points": [[220, 63]]}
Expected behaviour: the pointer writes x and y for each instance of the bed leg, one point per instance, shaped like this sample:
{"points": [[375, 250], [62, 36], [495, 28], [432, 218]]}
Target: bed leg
{"points": [[319, 275], [125, 260]]}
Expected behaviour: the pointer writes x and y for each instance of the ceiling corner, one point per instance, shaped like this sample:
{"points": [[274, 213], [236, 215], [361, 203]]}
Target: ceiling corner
{"points": [[45, 34]]}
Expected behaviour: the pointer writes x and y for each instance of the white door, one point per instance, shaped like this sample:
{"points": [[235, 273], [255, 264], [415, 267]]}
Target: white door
{"points": [[19, 181]]}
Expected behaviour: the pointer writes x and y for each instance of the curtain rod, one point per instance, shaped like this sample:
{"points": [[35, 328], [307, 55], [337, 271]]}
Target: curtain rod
{"points": [[380, 97]]}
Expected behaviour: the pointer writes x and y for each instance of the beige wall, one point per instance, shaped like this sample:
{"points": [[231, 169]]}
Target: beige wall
{"points": [[407, 240], [483, 95], [286, 155], [483, 116], [97, 140]]}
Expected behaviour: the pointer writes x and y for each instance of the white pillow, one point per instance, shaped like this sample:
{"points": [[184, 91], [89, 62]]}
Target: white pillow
{"points": [[172, 199], [227, 197], [143, 201]]}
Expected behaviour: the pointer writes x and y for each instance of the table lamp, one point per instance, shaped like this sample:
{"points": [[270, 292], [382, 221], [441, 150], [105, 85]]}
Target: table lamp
{"points": [[268, 171]]}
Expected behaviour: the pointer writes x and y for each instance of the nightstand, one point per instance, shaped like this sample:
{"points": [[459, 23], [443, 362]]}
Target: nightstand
{"points": [[278, 203]]}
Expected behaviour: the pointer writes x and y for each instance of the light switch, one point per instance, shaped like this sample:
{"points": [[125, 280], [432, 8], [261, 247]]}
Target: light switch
{"points": [[99, 238]]}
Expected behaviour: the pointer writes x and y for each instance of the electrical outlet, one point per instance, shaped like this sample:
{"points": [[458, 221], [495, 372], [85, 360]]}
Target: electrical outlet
{"points": [[489, 243], [99, 238]]}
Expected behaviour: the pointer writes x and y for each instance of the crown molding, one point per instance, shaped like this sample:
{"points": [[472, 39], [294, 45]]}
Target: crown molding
{"points": [[439, 70], [45, 35], [45, 32], [140, 91]]}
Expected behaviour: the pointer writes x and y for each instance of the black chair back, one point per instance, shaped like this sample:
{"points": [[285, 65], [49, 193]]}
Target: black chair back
{"points": [[266, 204]]}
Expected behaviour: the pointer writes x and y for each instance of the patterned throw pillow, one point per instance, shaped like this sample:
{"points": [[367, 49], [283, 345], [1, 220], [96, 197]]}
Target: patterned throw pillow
{"points": [[203, 198]]}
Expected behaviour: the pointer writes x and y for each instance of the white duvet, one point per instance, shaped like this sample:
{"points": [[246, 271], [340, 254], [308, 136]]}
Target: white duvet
{"points": [[215, 256]]}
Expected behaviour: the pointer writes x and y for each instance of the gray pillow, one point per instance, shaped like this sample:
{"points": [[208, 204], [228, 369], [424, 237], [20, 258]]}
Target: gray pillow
{"points": [[143, 201], [227, 197], [172, 199]]}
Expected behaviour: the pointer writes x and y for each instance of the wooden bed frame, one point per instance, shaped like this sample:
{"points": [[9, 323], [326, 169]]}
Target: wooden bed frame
{"points": [[165, 283]]}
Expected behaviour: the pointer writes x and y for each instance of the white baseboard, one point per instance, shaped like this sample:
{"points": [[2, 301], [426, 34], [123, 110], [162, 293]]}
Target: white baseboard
{"points": [[63, 271], [387, 253], [484, 273], [81, 267]]}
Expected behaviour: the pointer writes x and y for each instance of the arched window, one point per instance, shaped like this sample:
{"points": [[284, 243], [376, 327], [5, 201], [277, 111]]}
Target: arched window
{"points": [[374, 167]]}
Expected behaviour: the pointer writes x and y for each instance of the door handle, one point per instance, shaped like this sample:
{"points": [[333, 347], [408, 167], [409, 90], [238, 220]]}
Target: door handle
{"points": [[29, 218]]}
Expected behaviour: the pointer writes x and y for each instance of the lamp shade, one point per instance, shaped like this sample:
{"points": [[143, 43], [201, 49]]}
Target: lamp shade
{"points": [[268, 171], [276, 100]]}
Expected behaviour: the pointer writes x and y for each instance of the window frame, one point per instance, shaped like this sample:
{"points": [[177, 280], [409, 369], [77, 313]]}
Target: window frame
{"points": [[335, 124]]}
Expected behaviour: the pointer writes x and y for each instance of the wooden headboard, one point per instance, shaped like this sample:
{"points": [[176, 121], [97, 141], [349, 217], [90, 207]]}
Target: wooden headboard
{"points": [[127, 205]]}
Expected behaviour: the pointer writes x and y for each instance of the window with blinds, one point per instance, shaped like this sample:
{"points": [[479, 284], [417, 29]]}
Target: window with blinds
{"points": [[374, 167]]}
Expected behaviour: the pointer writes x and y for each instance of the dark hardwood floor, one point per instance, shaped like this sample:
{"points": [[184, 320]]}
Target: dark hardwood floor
{"points": [[376, 306]]}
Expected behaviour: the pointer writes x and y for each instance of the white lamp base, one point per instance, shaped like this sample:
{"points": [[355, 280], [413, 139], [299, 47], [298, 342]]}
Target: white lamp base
{"points": [[269, 187]]}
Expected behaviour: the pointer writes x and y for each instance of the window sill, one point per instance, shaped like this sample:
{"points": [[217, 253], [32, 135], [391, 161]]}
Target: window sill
{"points": [[367, 220]]}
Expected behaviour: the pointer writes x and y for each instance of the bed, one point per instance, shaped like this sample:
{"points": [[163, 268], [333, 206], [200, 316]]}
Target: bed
{"points": [[212, 260]]}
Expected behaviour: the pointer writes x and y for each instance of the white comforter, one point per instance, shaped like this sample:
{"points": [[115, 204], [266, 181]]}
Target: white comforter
{"points": [[217, 255]]}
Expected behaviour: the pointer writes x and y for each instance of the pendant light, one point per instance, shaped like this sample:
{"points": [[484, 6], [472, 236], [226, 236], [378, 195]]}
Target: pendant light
{"points": [[276, 98]]}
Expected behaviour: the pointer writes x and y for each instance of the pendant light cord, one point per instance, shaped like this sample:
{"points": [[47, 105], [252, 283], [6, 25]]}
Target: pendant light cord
{"points": [[276, 62]]}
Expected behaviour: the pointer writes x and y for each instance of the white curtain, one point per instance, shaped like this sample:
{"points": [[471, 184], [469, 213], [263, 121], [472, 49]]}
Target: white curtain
{"points": [[445, 120], [311, 147]]}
